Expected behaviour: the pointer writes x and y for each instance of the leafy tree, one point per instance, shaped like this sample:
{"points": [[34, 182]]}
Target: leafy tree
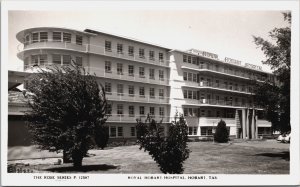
{"points": [[169, 152], [221, 134], [275, 96], [67, 111]]}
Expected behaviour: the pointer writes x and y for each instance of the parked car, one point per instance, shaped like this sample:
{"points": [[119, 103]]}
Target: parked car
{"points": [[284, 138]]}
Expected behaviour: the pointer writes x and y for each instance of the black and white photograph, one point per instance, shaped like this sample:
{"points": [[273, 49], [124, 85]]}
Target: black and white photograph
{"points": [[125, 93]]}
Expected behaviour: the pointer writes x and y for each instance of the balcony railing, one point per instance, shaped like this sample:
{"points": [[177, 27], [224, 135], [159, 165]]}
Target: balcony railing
{"points": [[95, 49], [219, 86], [136, 98], [133, 118], [215, 102]]}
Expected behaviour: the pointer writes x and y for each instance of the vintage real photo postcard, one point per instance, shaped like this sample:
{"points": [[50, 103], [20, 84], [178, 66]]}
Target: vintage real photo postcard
{"points": [[126, 93]]}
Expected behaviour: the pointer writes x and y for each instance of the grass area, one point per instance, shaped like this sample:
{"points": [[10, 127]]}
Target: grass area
{"points": [[264, 157]]}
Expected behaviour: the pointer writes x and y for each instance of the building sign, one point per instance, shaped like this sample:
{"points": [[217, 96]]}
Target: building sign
{"points": [[203, 53], [252, 66], [232, 61]]}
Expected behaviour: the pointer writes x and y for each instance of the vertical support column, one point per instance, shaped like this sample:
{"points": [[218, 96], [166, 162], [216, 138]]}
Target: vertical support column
{"points": [[256, 128], [253, 125], [243, 123], [247, 123]]}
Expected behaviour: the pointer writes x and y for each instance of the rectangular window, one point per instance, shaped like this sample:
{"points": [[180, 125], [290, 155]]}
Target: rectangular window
{"points": [[141, 53], [79, 61], [142, 72], [151, 73], [194, 60], [161, 93], [57, 36], [189, 59], [130, 70], [35, 37], [152, 92], [66, 59], [142, 110], [113, 131], [190, 94], [27, 39], [43, 36], [185, 76], [107, 66], [151, 55], [190, 130], [184, 58], [131, 111], [56, 59], [132, 131], [35, 59], [161, 57], [152, 111], [190, 77], [120, 69], [120, 89], [185, 112], [108, 109], [120, 131], [78, 40], [120, 48], [195, 95], [142, 92], [67, 37], [194, 77], [120, 109], [161, 111], [185, 94], [107, 88], [161, 75], [130, 50], [43, 59], [131, 90], [107, 45]]}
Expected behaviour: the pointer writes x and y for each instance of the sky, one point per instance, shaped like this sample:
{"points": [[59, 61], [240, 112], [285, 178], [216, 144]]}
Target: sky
{"points": [[223, 32]]}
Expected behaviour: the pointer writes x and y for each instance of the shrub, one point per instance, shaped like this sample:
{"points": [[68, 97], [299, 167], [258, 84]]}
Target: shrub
{"points": [[221, 134]]}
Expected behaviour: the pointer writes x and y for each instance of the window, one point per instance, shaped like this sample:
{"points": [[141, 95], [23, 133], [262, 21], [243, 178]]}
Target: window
{"points": [[152, 111], [141, 53], [67, 37], [184, 59], [79, 61], [142, 110], [161, 111], [206, 131], [152, 92], [151, 73], [120, 131], [195, 95], [78, 40], [113, 131], [161, 93], [107, 45], [107, 88], [142, 92], [43, 36], [130, 50], [35, 37], [190, 77], [161, 57], [130, 70], [185, 112], [185, 94], [66, 59], [107, 66], [218, 114], [108, 108], [190, 94], [217, 83], [35, 59], [194, 77], [193, 130], [194, 60], [151, 55], [131, 111], [132, 131], [161, 75], [57, 36], [142, 72], [120, 109], [27, 39], [56, 59], [185, 76], [120, 48], [131, 90], [120, 69], [43, 59], [189, 59], [120, 89]]}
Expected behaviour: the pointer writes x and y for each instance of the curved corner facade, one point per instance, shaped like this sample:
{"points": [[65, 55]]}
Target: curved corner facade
{"points": [[142, 78]]}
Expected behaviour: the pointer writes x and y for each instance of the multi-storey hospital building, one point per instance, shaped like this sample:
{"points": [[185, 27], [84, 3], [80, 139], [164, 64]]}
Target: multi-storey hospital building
{"points": [[141, 78]]}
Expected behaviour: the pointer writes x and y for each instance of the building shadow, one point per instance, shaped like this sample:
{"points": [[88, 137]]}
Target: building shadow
{"points": [[84, 168], [283, 155]]}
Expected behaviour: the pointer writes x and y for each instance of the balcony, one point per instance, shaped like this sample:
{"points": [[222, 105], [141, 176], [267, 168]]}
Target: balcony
{"points": [[132, 118], [113, 96], [219, 86]]}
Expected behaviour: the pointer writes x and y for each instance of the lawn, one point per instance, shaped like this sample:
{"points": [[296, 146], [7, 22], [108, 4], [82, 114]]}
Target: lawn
{"points": [[253, 157]]}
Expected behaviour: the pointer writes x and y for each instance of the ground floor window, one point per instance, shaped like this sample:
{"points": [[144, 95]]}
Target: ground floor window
{"points": [[116, 131], [264, 130], [132, 131], [193, 130]]}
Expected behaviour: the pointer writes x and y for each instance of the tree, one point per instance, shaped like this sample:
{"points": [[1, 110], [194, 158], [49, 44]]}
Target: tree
{"points": [[169, 152], [67, 111], [221, 134], [275, 96]]}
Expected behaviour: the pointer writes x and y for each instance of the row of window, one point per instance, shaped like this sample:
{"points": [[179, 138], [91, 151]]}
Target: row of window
{"points": [[131, 51], [131, 110], [131, 90], [56, 59], [118, 131], [205, 131], [195, 112], [56, 36], [131, 71]]}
